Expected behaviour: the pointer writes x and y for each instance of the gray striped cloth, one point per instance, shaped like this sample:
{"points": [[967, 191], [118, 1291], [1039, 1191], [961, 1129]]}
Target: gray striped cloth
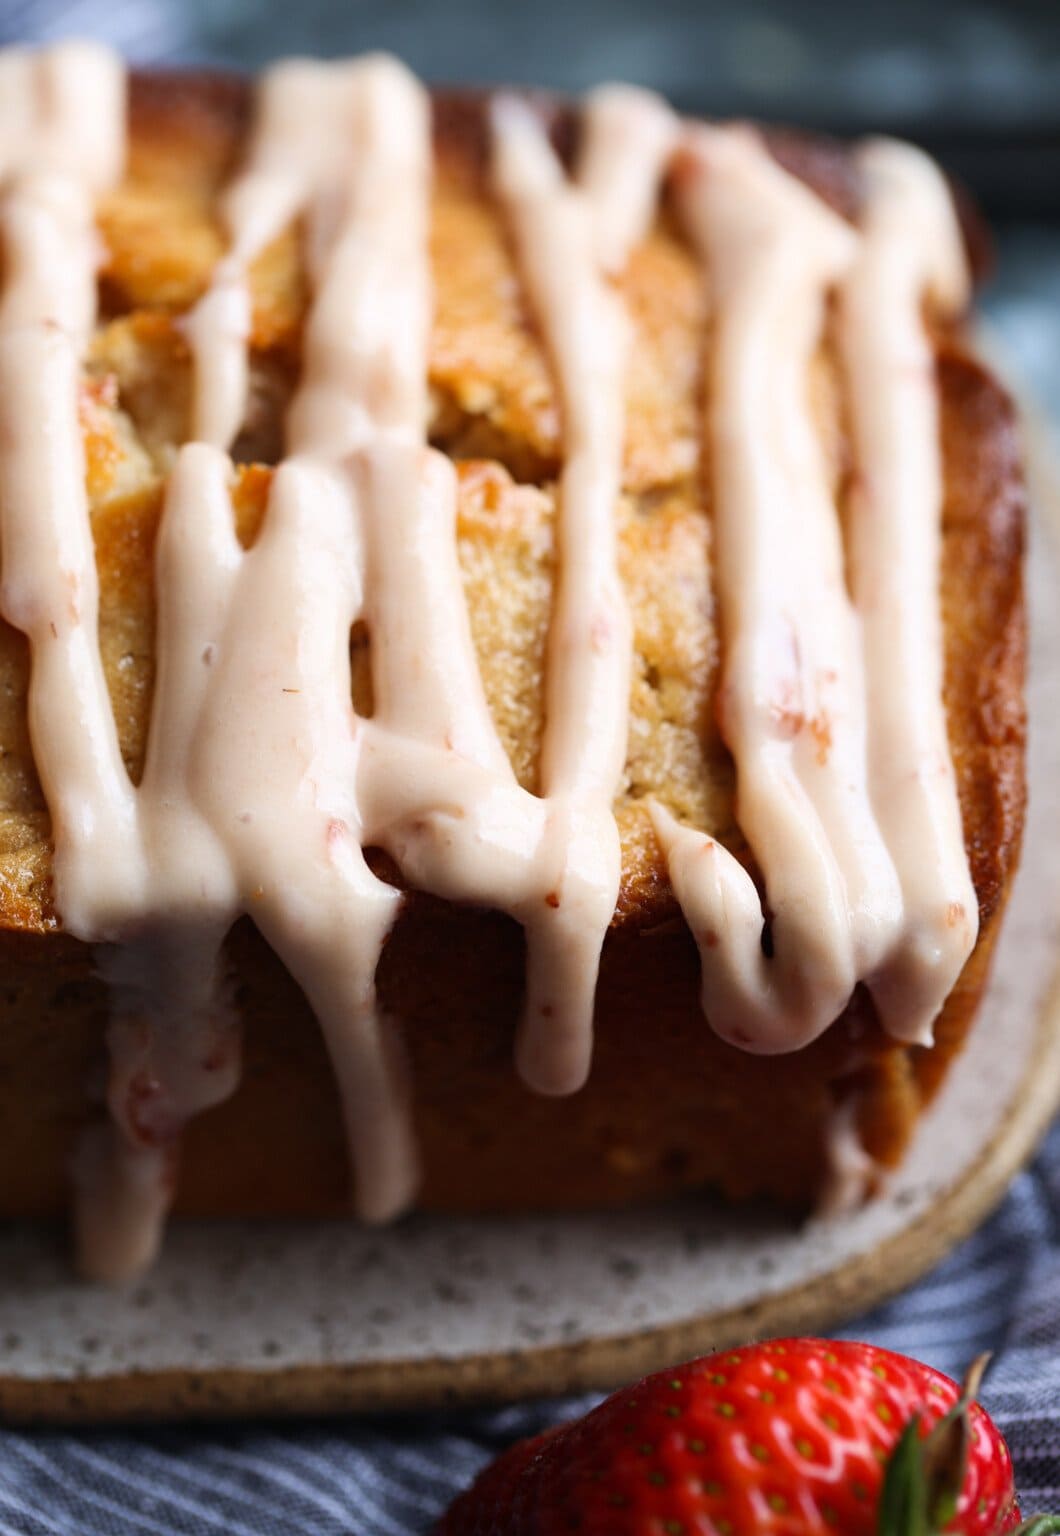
{"points": [[376, 1477]]}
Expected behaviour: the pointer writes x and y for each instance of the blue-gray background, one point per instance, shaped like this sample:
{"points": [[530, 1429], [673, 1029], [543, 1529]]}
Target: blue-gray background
{"points": [[979, 84]]}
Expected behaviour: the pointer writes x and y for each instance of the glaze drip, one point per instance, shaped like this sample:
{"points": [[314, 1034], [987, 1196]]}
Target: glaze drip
{"points": [[426, 778], [557, 230], [911, 255], [792, 700], [835, 723]]}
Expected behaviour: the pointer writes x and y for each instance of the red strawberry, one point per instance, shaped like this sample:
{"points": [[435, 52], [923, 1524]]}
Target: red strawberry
{"points": [[797, 1437]]}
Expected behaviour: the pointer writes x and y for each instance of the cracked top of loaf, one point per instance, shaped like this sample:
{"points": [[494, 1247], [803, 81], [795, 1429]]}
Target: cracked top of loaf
{"points": [[493, 411]]}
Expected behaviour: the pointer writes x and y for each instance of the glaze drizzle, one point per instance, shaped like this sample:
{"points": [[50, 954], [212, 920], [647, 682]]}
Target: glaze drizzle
{"points": [[831, 705], [262, 788]]}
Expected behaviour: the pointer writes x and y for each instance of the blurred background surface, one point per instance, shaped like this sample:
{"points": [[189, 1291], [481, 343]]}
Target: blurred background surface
{"points": [[976, 81]]}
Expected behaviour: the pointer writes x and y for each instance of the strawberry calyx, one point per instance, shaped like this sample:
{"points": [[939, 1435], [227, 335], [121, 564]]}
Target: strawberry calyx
{"points": [[925, 1474]]}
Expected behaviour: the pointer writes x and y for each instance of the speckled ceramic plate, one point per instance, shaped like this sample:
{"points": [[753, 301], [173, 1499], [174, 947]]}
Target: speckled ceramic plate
{"points": [[271, 1318]]}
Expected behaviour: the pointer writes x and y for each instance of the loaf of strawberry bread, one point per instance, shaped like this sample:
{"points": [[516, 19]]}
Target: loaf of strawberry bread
{"points": [[510, 681]]}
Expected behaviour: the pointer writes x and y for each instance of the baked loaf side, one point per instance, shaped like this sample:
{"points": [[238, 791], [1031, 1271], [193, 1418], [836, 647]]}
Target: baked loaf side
{"points": [[668, 1103]]}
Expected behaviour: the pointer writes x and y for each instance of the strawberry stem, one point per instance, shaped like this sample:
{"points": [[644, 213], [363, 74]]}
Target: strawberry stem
{"points": [[946, 1450], [924, 1477]]}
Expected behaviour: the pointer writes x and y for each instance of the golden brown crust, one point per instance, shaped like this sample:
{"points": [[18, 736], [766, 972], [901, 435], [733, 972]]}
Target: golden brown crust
{"points": [[668, 1106]]}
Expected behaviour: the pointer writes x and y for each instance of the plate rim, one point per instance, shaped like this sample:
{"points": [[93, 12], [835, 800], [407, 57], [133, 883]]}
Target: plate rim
{"points": [[597, 1364]]}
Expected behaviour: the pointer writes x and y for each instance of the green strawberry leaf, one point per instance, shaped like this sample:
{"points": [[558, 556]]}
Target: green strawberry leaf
{"points": [[946, 1450], [903, 1497]]}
